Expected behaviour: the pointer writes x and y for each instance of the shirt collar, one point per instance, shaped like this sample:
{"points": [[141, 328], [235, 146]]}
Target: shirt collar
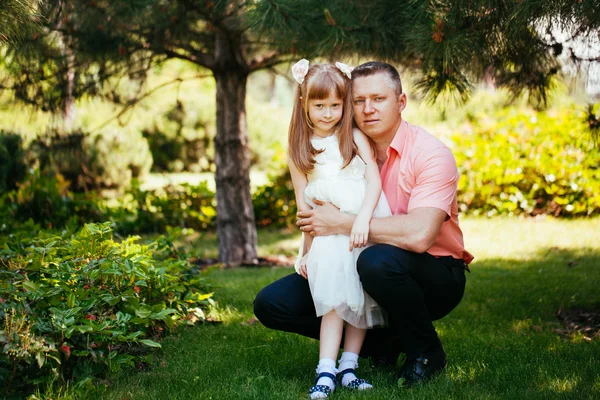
{"points": [[399, 139]]}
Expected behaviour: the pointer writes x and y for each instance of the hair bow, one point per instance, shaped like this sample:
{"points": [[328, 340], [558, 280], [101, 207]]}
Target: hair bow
{"points": [[346, 69], [299, 70]]}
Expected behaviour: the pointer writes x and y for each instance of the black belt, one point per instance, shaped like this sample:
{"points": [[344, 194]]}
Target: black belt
{"points": [[457, 263]]}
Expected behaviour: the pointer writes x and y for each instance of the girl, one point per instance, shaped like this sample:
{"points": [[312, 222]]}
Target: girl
{"points": [[330, 162]]}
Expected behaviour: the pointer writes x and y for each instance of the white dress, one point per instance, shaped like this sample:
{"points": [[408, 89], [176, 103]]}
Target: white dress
{"points": [[332, 275]]}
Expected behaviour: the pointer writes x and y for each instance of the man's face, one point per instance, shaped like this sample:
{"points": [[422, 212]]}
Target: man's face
{"points": [[376, 107]]}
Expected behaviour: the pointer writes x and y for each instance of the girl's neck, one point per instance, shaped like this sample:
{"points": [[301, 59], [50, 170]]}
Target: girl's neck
{"points": [[323, 135]]}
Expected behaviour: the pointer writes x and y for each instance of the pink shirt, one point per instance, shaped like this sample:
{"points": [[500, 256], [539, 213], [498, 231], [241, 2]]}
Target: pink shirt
{"points": [[420, 171]]}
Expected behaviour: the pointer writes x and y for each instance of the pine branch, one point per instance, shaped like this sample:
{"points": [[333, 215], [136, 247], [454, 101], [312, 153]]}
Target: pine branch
{"points": [[204, 60], [133, 102], [264, 61]]}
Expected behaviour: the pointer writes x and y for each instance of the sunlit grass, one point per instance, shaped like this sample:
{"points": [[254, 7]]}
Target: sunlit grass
{"points": [[501, 340]]}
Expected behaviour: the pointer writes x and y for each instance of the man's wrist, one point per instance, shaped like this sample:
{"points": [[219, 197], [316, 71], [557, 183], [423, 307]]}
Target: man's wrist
{"points": [[347, 223]]}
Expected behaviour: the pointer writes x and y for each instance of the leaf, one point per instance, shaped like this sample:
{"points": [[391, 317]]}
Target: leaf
{"points": [[143, 312], [41, 359], [150, 343], [71, 300], [163, 314], [30, 286]]}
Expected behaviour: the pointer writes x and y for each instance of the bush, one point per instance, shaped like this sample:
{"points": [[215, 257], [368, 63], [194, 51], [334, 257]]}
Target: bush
{"points": [[46, 200], [12, 161], [92, 162], [275, 202], [78, 306], [177, 154], [153, 211], [181, 140], [526, 163]]}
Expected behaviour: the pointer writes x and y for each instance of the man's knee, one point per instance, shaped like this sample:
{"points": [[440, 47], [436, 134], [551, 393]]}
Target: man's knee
{"points": [[263, 307], [379, 262]]}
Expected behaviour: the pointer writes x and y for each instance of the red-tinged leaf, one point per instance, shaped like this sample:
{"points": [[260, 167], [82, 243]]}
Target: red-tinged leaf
{"points": [[66, 349]]}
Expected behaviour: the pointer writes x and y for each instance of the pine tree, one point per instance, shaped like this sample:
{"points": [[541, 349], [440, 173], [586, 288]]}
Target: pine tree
{"points": [[453, 44], [18, 18], [85, 43]]}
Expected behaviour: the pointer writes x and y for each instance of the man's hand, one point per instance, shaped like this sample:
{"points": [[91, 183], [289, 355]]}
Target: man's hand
{"points": [[302, 270], [324, 220]]}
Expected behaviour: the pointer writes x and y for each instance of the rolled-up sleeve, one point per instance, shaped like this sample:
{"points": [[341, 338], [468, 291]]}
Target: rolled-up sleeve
{"points": [[436, 181]]}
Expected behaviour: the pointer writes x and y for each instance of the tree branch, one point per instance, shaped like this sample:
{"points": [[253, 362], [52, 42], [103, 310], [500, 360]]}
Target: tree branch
{"points": [[136, 100], [203, 60], [264, 60]]}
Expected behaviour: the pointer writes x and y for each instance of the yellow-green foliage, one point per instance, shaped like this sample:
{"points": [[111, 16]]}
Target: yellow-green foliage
{"points": [[522, 162], [109, 159]]}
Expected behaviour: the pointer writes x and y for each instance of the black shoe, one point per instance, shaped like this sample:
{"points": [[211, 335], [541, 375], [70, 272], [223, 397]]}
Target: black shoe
{"points": [[422, 368]]}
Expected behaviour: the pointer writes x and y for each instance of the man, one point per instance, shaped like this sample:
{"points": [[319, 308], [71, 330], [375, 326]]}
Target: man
{"points": [[416, 268]]}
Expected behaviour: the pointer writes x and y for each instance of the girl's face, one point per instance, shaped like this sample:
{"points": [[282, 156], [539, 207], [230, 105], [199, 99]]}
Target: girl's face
{"points": [[325, 114]]}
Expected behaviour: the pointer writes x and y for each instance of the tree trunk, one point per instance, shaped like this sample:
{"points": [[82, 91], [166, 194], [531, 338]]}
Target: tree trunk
{"points": [[68, 108], [66, 49], [235, 215]]}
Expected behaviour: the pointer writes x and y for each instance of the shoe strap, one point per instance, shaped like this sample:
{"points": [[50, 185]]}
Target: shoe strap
{"points": [[347, 371], [325, 375]]}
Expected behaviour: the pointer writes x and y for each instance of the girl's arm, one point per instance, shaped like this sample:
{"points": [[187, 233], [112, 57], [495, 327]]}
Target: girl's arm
{"points": [[299, 180], [360, 229]]}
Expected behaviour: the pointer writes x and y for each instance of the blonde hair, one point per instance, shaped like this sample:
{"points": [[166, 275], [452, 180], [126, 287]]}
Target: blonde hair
{"points": [[320, 82]]}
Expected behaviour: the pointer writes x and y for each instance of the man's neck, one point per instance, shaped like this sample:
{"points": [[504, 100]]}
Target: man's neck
{"points": [[383, 144]]}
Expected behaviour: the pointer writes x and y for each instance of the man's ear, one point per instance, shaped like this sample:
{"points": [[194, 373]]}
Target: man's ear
{"points": [[402, 102]]}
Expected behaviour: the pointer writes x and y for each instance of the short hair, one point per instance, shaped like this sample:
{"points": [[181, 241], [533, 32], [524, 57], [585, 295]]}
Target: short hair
{"points": [[392, 77]]}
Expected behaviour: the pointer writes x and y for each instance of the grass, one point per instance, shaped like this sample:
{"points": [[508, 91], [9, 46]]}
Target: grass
{"points": [[501, 340]]}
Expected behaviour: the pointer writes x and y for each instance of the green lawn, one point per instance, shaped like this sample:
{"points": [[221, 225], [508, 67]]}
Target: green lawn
{"points": [[501, 340]]}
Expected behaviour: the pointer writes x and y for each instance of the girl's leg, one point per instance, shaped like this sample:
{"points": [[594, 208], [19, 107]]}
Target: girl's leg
{"points": [[354, 338], [353, 341], [332, 327]]}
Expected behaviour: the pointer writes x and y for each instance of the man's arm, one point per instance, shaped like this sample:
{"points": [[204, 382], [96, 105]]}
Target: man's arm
{"points": [[429, 206], [415, 231]]}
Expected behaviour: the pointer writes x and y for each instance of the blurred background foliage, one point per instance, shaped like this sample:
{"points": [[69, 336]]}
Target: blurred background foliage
{"points": [[151, 166]]}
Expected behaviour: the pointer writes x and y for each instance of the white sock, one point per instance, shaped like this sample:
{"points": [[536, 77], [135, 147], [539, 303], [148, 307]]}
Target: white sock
{"points": [[350, 360], [325, 365]]}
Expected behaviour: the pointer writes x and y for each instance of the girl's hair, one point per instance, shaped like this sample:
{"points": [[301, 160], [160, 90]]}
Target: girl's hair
{"points": [[320, 81]]}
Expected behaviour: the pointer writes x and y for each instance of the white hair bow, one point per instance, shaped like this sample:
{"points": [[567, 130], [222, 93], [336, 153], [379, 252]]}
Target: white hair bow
{"points": [[299, 70], [346, 69]]}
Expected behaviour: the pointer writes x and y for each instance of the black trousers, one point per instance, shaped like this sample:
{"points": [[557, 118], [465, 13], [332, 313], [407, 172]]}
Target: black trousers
{"points": [[415, 289]]}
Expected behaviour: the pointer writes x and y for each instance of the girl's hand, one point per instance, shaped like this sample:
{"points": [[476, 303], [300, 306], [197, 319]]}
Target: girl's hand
{"points": [[303, 266], [360, 232]]}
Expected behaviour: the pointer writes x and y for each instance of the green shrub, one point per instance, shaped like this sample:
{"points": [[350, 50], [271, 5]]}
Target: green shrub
{"points": [[177, 154], [73, 307], [95, 161], [12, 161], [46, 200], [182, 206], [526, 163], [275, 202], [181, 139]]}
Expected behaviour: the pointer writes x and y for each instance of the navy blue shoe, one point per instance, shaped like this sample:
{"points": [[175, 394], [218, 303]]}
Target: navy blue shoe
{"points": [[354, 383], [322, 389]]}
